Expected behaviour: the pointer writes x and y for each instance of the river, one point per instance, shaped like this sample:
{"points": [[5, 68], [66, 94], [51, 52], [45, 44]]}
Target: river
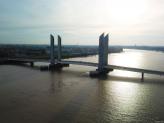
{"points": [[28, 95]]}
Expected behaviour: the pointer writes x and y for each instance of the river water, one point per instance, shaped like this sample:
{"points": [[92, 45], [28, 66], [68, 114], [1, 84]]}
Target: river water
{"points": [[28, 95]]}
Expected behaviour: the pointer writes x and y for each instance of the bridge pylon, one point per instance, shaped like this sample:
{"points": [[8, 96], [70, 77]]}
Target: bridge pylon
{"points": [[59, 48], [102, 56], [52, 47], [103, 52], [55, 64]]}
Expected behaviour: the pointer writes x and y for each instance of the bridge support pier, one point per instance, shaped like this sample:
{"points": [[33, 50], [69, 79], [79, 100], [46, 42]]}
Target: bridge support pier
{"points": [[142, 78], [103, 57], [98, 73], [57, 66], [32, 64]]}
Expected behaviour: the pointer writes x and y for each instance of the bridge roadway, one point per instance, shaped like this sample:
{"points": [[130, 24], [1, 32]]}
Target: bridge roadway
{"points": [[115, 67], [25, 60], [148, 71]]}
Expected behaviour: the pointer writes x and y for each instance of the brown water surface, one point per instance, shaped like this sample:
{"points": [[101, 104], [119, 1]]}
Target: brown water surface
{"points": [[30, 96]]}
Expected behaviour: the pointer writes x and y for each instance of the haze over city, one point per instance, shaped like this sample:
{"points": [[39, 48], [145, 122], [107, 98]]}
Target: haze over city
{"points": [[128, 22]]}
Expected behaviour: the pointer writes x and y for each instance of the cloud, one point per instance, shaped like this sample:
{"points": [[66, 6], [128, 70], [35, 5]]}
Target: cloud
{"points": [[82, 20]]}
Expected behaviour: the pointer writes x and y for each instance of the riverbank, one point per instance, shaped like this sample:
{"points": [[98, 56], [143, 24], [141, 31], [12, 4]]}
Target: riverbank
{"points": [[43, 51]]}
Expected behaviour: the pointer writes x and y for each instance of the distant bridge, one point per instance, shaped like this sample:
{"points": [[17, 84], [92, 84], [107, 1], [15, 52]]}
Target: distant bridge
{"points": [[102, 66]]}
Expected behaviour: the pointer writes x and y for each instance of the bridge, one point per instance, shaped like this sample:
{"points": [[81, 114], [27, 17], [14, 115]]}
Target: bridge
{"points": [[102, 66]]}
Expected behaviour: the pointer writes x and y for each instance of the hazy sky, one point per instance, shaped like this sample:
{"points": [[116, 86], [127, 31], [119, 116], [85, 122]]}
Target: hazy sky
{"points": [[128, 22]]}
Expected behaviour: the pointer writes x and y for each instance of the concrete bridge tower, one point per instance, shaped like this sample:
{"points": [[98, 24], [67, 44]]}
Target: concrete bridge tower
{"points": [[59, 48], [102, 56], [56, 64], [52, 47], [103, 52]]}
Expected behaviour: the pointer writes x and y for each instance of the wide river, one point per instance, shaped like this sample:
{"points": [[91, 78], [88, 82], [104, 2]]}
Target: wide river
{"points": [[28, 95]]}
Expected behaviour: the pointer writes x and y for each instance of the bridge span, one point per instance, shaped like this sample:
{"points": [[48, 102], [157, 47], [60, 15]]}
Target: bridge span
{"points": [[116, 67], [91, 64], [148, 71], [102, 66]]}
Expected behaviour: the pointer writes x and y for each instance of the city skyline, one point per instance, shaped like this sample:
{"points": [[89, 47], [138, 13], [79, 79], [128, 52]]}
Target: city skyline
{"points": [[128, 22]]}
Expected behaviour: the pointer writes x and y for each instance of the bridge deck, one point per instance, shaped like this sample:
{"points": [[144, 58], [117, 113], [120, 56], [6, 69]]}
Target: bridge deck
{"points": [[115, 67], [135, 69], [27, 60], [79, 63], [93, 65]]}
